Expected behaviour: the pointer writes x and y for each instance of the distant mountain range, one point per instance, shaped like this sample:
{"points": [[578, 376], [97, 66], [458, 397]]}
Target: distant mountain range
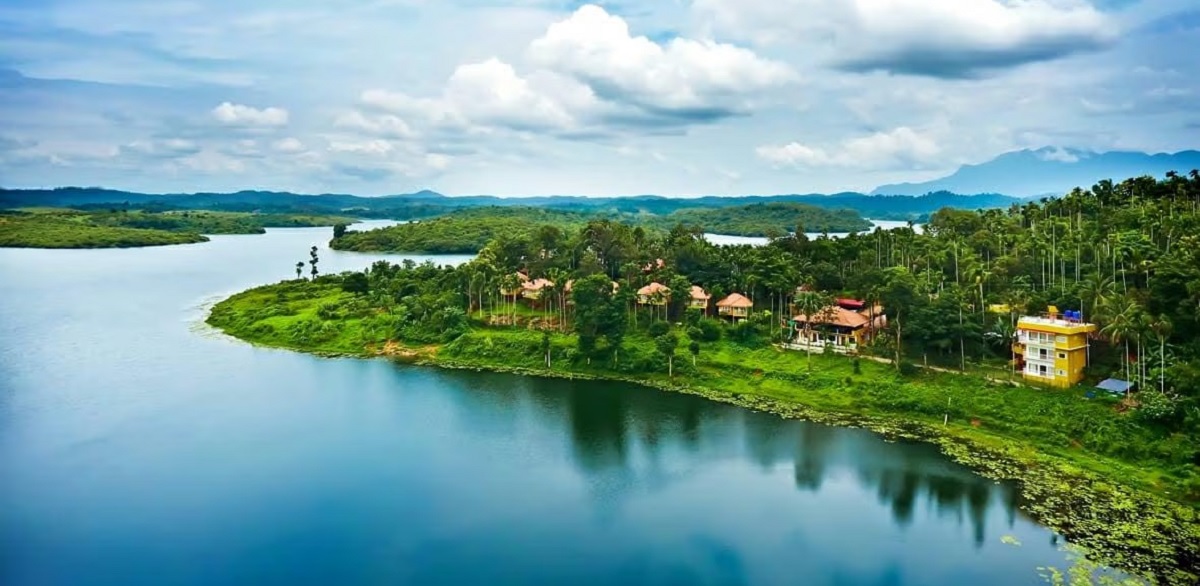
{"points": [[1049, 171], [430, 203], [999, 183]]}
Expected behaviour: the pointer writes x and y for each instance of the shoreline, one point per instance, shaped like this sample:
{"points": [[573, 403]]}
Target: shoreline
{"points": [[1128, 528]]}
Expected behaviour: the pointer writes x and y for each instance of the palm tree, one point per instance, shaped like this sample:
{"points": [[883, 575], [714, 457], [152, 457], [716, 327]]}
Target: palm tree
{"points": [[1121, 326], [1162, 330], [559, 278], [813, 305], [1098, 290], [510, 283]]}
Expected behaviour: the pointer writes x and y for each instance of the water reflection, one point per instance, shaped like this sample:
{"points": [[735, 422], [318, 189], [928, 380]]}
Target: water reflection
{"points": [[135, 450], [623, 437]]}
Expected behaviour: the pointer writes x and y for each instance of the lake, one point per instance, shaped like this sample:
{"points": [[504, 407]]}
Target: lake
{"points": [[137, 446]]}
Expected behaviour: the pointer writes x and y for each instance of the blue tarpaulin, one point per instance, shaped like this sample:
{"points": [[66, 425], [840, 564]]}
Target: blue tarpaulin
{"points": [[1115, 386]]}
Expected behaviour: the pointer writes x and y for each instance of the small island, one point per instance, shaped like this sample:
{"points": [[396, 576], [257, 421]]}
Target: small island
{"points": [[125, 228], [946, 336]]}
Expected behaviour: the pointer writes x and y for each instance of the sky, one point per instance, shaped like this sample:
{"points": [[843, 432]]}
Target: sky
{"points": [[536, 97]]}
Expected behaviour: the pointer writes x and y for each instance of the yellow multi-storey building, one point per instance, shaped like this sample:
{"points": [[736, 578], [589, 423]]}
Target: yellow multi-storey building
{"points": [[1053, 348]]}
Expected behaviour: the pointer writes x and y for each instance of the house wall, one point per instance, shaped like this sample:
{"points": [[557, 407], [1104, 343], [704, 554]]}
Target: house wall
{"points": [[1063, 355]]}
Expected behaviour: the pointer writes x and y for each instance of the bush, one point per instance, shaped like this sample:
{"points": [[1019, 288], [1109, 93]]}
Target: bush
{"points": [[710, 331], [329, 311], [743, 332], [658, 328]]}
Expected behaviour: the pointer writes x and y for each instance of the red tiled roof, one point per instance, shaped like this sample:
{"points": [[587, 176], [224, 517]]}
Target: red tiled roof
{"points": [[735, 300], [699, 294], [851, 303], [837, 316], [537, 284], [654, 288]]}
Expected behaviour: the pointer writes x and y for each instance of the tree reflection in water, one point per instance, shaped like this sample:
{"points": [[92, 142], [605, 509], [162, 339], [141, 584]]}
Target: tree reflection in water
{"points": [[622, 437]]}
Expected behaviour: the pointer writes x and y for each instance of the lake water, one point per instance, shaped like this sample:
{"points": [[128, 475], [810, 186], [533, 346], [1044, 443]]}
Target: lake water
{"points": [[139, 447], [726, 239]]}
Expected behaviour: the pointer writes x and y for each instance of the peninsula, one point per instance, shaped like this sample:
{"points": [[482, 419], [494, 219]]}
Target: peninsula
{"points": [[120, 227], [916, 335]]}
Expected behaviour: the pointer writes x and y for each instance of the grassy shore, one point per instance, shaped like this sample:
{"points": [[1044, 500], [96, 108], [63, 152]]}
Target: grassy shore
{"points": [[59, 228], [71, 230], [1086, 470]]}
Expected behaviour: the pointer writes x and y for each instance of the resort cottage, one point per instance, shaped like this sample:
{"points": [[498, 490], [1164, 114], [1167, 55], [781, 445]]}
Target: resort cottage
{"points": [[532, 290], [736, 306], [699, 299], [521, 279], [843, 327], [653, 294]]}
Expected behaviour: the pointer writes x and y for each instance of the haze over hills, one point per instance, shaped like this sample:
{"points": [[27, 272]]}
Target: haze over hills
{"points": [[998, 183], [1049, 171], [429, 203]]}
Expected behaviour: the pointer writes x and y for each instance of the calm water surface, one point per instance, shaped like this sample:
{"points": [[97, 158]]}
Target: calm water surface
{"points": [[726, 239], [139, 447]]}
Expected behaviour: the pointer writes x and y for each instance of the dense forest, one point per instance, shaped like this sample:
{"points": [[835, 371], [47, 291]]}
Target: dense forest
{"points": [[1127, 255], [766, 219], [118, 228], [469, 230], [462, 232]]}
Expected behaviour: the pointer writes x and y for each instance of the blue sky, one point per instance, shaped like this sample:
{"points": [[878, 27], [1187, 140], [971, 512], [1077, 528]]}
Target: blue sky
{"points": [[526, 97]]}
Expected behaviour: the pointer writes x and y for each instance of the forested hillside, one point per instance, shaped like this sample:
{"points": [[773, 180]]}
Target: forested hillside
{"points": [[768, 219]]}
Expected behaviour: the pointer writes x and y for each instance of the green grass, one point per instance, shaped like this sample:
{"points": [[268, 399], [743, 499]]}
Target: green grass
{"points": [[1089, 471], [58, 228], [74, 231]]}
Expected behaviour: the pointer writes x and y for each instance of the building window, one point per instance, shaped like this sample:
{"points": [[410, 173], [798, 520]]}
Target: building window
{"points": [[1062, 372], [1062, 355], [1062, 339]]}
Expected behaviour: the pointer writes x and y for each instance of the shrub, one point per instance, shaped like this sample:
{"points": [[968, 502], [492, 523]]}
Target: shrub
{"points": [[329, 311], [658, 328], [710, 331]]}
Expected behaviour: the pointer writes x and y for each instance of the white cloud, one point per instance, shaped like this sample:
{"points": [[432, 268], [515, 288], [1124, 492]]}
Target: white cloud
{"points": [[383, 126], [940, 38], [693, 78], [590, 76], [900, 148], [376, 147], [479, 97], [492, 93], [539, 99], [289, 145], [1058, 154], [437, 161], [435, 111], [169, 148], [232, 114]]}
